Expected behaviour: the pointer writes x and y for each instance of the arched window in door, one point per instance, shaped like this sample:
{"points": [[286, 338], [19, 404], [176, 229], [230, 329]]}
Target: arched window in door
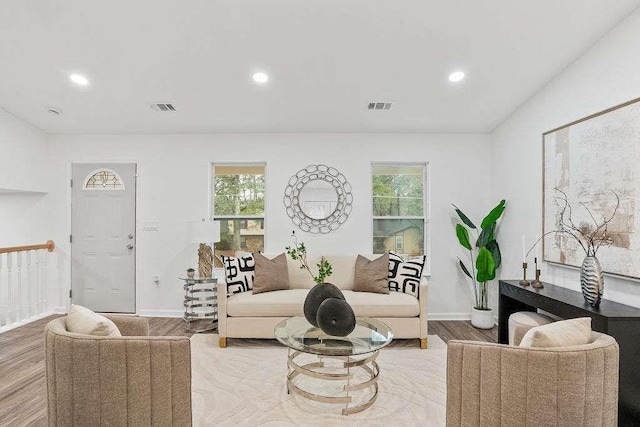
{"points": [[103, 179]]}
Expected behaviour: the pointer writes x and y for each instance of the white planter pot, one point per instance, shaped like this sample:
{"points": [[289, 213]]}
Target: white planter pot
{"points": [[482, 319]]}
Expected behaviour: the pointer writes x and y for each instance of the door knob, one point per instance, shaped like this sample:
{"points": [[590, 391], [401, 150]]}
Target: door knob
{"points": [[129, 246], [130, 236]]}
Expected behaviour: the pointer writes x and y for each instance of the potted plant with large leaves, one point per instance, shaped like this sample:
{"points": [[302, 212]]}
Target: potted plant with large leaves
{"points": [[485, 258]]}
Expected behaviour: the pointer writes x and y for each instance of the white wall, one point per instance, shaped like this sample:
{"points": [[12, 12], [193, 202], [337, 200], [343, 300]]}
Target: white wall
{"points": [[24, 216], [23, 169], [173, 189], [174, 178], [606, 75]]}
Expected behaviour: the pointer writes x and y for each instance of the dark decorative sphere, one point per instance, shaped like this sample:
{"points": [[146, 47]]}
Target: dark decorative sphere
{"points": [[335, 317], [316, 295]]}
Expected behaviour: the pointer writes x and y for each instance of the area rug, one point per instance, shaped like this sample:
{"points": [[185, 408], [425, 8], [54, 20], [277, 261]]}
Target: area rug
{"points": [[244, 385]]}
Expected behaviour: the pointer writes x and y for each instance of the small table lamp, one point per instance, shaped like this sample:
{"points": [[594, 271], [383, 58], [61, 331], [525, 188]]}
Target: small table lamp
{"points": [[205, 233]]}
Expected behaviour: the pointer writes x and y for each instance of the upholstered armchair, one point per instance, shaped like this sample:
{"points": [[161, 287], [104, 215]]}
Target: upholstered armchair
{"points": [[130, 380], [493, 384]]}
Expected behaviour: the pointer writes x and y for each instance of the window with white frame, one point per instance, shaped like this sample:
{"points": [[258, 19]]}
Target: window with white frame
{"points": [[399, 208], [238, 203], [399, 242]]}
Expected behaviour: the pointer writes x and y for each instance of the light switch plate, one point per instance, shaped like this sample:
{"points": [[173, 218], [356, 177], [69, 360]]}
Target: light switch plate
{"points": [[150, 226]]}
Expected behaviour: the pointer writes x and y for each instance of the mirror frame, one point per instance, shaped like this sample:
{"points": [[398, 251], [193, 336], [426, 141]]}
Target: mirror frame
{"points": [[292, 199]]}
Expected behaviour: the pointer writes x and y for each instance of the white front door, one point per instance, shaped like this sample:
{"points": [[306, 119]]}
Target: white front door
{"points": [[103, 236]]}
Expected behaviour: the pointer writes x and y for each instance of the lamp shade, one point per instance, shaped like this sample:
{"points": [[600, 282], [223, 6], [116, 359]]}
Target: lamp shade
{"points": [[204, 231]]}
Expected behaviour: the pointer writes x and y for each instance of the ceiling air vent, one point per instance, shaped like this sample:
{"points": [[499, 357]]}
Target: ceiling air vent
{"points": [[165, 108], [379, 106]]}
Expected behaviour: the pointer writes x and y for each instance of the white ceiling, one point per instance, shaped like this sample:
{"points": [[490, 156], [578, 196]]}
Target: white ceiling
{"points": [[326, 59]]}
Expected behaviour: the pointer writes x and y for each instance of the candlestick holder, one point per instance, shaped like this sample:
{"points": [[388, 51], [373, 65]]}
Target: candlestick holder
{"points": [[524, 281], [537, 283]]}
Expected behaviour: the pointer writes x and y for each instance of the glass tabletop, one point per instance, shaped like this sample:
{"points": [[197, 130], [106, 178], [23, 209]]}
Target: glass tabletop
{"points": [[369, 335]]}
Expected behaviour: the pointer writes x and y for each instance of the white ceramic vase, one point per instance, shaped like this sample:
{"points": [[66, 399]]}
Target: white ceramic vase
{"points": [[482, 319]]}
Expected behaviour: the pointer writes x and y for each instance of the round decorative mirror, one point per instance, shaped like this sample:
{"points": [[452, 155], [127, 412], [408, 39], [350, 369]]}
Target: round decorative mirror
{"points": [[318, 199]]}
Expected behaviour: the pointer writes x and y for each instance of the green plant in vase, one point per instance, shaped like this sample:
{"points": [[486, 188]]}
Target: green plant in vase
{"points": [[298, 252], [485, 258], [325, 305]]}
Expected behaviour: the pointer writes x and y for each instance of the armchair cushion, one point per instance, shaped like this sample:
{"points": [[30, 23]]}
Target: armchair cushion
{"points": [[559, 334], [81, 320]]}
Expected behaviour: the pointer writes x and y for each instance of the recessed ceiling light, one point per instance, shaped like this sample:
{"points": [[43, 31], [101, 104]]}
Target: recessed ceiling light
{"points": [[456, 76], [260, 78], [79, 79]]}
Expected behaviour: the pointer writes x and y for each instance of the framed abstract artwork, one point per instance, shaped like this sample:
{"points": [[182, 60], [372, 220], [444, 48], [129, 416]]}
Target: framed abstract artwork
{"points": [[593, 161]]}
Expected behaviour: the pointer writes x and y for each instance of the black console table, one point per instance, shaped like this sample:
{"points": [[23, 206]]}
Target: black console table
{"points": [[618, 320]]}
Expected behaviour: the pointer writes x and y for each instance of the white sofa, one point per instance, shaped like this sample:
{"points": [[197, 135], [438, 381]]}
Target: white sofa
{"points": [[246, 315]]}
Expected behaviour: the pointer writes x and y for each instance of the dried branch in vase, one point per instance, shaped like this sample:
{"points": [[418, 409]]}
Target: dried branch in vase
{"points": [[590, 237]]}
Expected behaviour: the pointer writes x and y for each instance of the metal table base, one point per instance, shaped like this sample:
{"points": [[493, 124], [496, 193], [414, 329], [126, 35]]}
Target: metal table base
{"points": [[200, 303], [344, 373]]}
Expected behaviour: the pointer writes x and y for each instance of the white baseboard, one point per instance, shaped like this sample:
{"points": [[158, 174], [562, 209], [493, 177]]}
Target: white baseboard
{"points": [[160, 313], [448, 316]]}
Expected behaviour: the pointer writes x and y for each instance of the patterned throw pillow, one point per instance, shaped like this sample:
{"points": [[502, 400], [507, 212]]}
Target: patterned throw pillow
{"points": [[404, 276], [239, 273]]}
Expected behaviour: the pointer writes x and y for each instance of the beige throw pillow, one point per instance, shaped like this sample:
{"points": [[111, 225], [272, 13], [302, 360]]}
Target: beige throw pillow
{"points": [[270, 274], [559, 334], [372, 276], [81, 320]]}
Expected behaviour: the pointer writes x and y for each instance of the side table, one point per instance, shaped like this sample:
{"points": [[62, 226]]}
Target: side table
{"points": [[200, 302]]}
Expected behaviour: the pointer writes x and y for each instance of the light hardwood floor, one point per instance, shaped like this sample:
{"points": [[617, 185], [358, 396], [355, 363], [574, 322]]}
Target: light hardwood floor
{"points": [[22, 384]]}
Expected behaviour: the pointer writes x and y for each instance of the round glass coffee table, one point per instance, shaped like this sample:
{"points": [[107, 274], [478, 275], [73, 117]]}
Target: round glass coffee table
{"points": [[340, 370]]}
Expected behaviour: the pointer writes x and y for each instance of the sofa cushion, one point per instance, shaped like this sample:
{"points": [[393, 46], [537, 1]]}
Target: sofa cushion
{"points": [[268, 304], [239, 273], [270, 274], [290, 302], [372, 276], [343, 269], [404, 276], [81, 320], [393, 304]]}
